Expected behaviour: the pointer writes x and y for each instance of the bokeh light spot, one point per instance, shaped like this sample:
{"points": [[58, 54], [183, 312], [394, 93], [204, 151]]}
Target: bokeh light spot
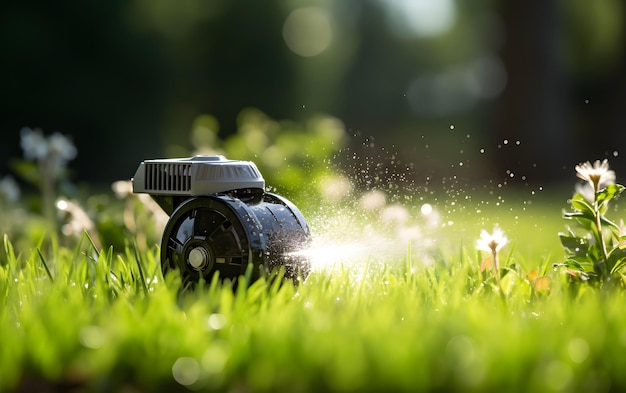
{"points": [[307, 31], [186, 371], [425, 18], [578, 350]]}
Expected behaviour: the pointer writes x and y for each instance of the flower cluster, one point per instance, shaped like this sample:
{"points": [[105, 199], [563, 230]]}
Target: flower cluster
{"points": [[53, 152], [50, 156]]}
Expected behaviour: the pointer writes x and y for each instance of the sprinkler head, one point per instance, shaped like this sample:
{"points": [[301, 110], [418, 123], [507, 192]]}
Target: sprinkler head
{"points": [[222, 220]]}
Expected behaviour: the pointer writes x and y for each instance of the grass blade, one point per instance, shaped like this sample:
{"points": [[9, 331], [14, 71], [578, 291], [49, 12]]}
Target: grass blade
{"points": [[93, 245], [8, 248], [141, 275], [45, 265]]}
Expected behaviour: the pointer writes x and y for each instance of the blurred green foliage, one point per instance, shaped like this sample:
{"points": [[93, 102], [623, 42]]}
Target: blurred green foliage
{"points": [[295, 158], [132, 75]]}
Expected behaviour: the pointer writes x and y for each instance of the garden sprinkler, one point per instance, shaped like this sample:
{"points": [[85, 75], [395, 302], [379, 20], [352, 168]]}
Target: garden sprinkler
{"points": [[222, 219]]}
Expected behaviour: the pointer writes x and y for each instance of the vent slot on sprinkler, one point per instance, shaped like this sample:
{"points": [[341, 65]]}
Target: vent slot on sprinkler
{"points": [[168, 177]]}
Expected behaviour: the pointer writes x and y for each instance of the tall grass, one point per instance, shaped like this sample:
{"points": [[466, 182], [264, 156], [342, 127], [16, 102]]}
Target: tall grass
{"points": [[399, 298], [106, 320]]}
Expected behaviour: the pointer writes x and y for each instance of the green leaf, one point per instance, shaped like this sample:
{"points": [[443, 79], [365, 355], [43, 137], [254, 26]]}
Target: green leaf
{"points": [[617, 259], [586, 220], [573, 264], [595, 253], [574, 245], [606, 221], [621, 242], [584, 263], [26, 170], [618, 266], [609, 192], [45, 265], [579, 203]]}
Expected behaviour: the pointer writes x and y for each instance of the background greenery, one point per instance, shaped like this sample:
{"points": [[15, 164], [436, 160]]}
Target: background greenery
{"points": [[127, 79]]}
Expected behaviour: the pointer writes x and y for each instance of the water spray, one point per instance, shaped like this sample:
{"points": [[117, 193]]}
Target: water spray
{"points": [[222, 219]]}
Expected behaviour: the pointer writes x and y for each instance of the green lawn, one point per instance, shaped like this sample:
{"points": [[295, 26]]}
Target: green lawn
{"points": [[391, 306]]}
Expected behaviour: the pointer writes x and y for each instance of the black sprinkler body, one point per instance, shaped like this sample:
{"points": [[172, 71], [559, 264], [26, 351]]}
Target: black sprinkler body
{"points": [[221, 219]]}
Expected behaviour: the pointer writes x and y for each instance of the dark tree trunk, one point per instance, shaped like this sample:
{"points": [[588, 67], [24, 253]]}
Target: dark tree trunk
{"points": [[611, 127], [531, 128]]}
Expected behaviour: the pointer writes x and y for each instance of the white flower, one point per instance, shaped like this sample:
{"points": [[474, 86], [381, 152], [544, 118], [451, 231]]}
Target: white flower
{"points": [[56, 147], [61, 146], [9, 189], [598, 174], [492, 242], [34, 144]]}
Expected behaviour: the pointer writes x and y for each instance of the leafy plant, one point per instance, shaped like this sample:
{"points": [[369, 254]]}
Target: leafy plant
{"points": [[295, 157], [44, 165], [600, 251]]}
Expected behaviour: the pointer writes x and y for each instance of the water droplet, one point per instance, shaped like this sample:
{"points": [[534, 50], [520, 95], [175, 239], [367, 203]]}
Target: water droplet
{"points": [[452, 126]]}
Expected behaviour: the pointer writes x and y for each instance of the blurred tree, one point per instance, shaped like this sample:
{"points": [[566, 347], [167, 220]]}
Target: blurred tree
{"points": [[128, 78], [76, 68], [533, 108], [223, 55], [596, 50], [565, 81]]}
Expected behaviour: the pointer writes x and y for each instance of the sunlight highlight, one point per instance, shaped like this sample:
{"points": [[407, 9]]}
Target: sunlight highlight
{"points": [[425, 18]]}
